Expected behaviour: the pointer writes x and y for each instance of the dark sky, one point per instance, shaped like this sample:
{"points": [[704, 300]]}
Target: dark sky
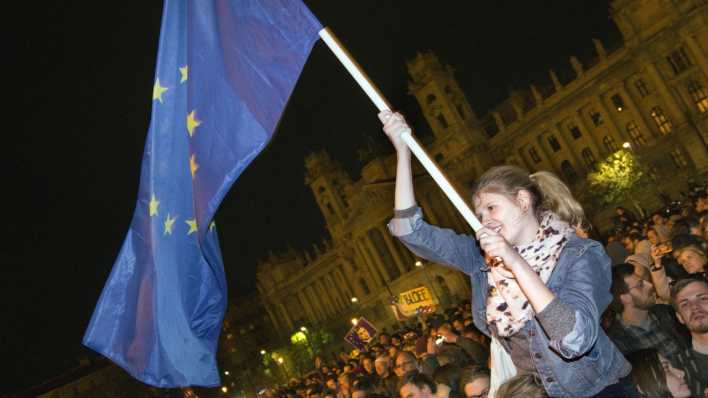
{"points": [[80, 76]]}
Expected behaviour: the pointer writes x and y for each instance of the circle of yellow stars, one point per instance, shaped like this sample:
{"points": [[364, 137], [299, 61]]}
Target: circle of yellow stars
{"points": [[158, 90]]}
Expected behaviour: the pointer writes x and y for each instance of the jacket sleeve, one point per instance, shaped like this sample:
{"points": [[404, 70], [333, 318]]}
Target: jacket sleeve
{"points": [[581, 299], [439, 245]]}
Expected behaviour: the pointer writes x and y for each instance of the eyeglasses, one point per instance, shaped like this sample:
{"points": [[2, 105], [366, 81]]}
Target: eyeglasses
{"points": [[639, 285], [401, 365]]}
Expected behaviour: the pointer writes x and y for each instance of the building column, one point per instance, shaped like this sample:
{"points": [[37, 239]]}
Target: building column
{"points": [[540, 141], [599, 148], [620, 131], [285, 315], [696, 51], [392, 248], [337, 291], [307, 306], [323, 297], [319, 314], [350, 288], [573, 156], [375, 257], [329, 294], [673, 106], [638, 115], [372, 271]]}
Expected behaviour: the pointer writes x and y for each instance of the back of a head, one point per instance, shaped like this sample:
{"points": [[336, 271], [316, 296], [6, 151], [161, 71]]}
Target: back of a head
{"points": [[471, 373], [522, 386], [548, 192], [648, 374]]}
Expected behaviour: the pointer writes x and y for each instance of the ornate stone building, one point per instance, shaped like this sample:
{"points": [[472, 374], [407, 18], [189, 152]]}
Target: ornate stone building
{"points": [[649, 94]]}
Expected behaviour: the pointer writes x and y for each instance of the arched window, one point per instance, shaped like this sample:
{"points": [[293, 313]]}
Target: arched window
{"points": [[568, 171], [430, 98], [635, 134], [589, 158], [699, 95], [610, 144], [442, 120], [364, 286], [662, 122]]}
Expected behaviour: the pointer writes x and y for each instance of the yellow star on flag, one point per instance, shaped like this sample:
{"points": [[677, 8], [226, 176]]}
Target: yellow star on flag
{"points": [[193, 166], [153, 205], [192, 226], [192, 122], [158, 90], [183, 71], [169, 222]]}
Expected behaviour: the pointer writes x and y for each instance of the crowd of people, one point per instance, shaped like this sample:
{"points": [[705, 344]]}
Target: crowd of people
{"points": [[658, 319], [552, 313]]}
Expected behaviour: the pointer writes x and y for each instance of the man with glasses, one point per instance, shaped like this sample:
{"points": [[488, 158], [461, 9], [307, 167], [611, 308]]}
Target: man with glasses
{"points": [[386, 382], [405, 363], [640, 322]]}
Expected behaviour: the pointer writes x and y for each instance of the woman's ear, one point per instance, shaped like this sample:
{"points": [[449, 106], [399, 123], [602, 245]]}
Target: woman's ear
{"points": [[523, 199]]}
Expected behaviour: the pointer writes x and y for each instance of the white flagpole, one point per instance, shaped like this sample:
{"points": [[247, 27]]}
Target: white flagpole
{"points": [[375, 95]]}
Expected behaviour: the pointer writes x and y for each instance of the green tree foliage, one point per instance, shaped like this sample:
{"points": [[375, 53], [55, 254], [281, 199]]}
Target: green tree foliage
{"points": [[617, 179]]}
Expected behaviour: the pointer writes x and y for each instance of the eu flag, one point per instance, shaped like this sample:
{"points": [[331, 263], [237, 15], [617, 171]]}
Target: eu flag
{"points": [[225, 70]]}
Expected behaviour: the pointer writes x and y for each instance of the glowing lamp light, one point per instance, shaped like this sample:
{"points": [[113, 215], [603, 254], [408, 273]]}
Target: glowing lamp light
{"points": [[263, 352], [354, 321], [418, 263], [304, 329], [280, 360], [354, 299], [224, 389], [626, 145], [226, 372]]}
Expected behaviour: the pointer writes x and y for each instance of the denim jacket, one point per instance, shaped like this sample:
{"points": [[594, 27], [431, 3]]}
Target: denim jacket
{"points": [[580, 363]]}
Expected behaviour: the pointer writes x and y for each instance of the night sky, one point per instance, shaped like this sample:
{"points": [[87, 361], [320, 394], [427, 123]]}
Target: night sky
{"points": [[79, 78]]}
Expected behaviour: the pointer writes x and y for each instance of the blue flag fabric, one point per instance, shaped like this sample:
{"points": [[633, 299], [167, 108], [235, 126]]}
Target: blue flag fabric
{"points": [[225, 70]]}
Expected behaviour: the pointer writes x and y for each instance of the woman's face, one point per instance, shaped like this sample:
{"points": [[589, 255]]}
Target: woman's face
{"points": [[675, 380], [692, 261], [478, 388], [499, 213]]}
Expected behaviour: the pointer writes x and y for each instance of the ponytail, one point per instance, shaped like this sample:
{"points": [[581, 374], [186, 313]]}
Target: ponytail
{"points": [[558, 198]]}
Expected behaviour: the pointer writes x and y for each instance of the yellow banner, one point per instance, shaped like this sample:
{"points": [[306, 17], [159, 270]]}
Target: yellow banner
{"points": [[411, 300]]}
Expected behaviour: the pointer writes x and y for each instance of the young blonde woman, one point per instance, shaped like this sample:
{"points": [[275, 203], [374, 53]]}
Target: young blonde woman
{"points": [[544, 303]]}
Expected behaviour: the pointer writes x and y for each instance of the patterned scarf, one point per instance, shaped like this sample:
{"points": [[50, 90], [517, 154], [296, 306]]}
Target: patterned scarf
{"points": [[508, 309]]}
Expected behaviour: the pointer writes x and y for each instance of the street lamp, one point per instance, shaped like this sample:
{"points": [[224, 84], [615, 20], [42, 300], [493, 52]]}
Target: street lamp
{"points": [[626, 145], [263, 352], [304, 329], [226, 372], [354, 321], [224, 389], [418, 263], [355, 300]]}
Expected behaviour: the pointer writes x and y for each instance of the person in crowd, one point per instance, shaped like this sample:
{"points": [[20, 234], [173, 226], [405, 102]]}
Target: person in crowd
{"points": [[476, 352], [366, 364], [362, 387], [640, 322], [474, 382], [623, 218], [386, 381], [526, 385], [458, 325], [543, 302], [405, 362], [616, 250], [692, 258], [635, 243], [314, 390], [660, 227], [447, 381], [417, 385], [331, 381], [384, 339], [690, 300], [641, 265], [656, 377], [344, 381]]}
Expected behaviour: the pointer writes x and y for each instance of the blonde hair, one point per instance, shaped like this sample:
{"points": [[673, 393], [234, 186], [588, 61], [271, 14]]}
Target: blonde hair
{"points": [[522, 386], [548, 192]]}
